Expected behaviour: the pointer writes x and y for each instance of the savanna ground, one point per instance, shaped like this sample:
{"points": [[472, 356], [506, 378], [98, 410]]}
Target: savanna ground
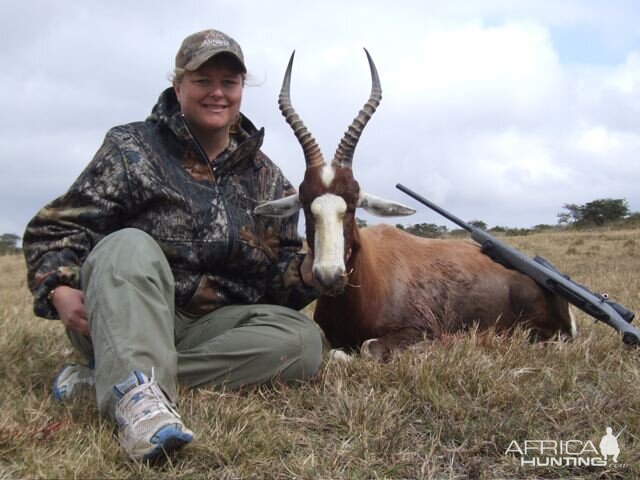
{"points": [[451, 412]]}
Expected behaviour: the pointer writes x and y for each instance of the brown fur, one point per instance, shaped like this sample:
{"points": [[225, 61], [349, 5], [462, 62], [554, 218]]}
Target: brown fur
{"points": [[404, 288]]}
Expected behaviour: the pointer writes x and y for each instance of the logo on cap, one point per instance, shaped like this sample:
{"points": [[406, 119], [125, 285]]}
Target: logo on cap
{"points": [[215, 40]]}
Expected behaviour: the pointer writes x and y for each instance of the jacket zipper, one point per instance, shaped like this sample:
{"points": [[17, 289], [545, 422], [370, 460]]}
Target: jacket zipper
{"points": [[205, 157]]}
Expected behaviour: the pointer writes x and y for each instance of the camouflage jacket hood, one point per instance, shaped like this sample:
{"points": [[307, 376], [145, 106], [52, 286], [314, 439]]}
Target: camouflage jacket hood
{"points": [[154, 176]]}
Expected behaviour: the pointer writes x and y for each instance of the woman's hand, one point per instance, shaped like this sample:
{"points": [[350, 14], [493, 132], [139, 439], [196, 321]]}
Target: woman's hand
{"points": [[306, 270], [69, 303]]}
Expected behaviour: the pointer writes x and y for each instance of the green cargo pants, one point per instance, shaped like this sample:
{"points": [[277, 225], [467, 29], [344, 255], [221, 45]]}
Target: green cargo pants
{"points": [[129, 298]]}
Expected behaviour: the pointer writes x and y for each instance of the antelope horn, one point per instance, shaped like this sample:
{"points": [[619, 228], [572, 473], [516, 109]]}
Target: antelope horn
{"points": [[344, 154], [312, 154]]}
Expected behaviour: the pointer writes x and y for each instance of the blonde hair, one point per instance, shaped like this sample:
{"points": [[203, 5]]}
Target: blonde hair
{"points": [[177, 75]]}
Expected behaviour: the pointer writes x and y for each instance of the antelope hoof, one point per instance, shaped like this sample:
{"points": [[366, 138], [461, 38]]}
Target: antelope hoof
{"points": [[340, 357]]}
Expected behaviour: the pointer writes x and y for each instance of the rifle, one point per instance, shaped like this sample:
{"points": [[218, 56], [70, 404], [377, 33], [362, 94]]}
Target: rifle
{"points": [[546, 275]]}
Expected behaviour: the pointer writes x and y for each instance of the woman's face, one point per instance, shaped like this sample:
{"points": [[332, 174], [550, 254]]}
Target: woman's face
{"points": [[210, 97]]}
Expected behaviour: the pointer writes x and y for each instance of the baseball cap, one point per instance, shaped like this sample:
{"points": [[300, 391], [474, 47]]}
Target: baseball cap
{"points": [[201, 46]]}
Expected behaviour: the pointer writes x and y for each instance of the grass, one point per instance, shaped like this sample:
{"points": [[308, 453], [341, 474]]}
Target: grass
{"points": [[449, 412]]}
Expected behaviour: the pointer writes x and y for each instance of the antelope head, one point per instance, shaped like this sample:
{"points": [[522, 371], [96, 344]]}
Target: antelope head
{"points": [[329, 194]]}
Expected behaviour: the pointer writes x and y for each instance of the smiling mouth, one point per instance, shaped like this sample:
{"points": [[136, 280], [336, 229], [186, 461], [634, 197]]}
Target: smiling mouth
{"points": [[215, 108]]}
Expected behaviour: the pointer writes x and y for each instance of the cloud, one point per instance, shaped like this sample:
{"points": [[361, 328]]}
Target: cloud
{"points": [[485, 108], [503, 132]]}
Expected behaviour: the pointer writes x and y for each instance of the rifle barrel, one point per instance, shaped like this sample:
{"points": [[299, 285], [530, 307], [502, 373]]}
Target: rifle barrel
{"points": [[433, 206], [547, 276]]}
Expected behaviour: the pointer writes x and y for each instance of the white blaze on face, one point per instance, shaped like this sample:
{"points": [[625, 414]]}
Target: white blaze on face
{"points": [[327, 174], [328, 212]]}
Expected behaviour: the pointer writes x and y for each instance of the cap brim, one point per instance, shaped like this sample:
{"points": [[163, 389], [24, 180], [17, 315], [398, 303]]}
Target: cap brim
{"points": [[199, 60]]}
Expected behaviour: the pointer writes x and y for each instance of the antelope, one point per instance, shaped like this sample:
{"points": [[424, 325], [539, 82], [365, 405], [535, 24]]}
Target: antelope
{"points": [[383, 289]]}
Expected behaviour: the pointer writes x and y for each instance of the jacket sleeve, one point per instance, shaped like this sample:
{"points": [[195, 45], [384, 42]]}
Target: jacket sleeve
{"points": [[284, 286], [61, 235]]}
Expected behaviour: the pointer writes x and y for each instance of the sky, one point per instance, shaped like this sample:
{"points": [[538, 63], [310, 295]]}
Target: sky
{"points": [[497, 110]]}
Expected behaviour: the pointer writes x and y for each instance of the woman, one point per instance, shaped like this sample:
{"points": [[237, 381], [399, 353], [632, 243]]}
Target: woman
{"points": [[157, 267]]}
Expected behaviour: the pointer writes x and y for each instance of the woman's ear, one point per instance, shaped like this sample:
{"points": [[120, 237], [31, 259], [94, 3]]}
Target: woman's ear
{"points": [[176, 88]]}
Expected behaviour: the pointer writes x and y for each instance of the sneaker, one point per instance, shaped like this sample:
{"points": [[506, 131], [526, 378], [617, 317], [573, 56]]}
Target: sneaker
{"points": [[148, 422], [71, 380]]}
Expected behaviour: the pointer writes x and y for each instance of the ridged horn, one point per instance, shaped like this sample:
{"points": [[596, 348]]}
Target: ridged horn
{"points": [[312, 154], [344, 153]]}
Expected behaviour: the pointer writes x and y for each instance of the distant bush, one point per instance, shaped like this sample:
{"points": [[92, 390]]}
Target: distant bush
{"points": [[426, 230], [595, 213], [543, 228], [632, 221], [458, 232], [9, 243], [478, 224], [517, 232]]}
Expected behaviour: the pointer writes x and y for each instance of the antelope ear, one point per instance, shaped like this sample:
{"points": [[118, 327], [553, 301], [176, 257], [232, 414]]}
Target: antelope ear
{"points": [[383, 208], [283, 207]]}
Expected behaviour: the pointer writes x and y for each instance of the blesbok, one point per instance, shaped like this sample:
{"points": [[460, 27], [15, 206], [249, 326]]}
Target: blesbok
{"points": [[384, 289]]}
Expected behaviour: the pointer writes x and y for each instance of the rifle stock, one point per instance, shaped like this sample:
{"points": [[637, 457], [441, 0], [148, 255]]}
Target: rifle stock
{"points": [[547, 276]]}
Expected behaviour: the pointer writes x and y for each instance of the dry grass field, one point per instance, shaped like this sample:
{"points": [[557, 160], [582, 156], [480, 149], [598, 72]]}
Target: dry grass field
{"points": [[460, 410]]}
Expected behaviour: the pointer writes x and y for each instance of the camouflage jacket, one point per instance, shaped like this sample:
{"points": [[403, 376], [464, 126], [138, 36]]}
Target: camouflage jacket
{"points": [[154, 176]]}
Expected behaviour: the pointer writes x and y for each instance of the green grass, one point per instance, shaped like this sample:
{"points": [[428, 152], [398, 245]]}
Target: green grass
{"points": [[449, 410]]}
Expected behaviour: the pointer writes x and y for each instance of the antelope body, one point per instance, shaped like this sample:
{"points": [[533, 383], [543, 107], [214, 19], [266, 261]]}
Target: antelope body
{"points": [[384, 289]]}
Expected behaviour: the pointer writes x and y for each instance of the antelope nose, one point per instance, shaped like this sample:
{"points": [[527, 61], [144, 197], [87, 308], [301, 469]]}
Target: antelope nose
{"points": [[328, 278]]}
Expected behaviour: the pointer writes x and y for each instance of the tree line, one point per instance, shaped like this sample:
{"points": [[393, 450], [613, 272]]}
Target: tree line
{"points": [[598, 213]]}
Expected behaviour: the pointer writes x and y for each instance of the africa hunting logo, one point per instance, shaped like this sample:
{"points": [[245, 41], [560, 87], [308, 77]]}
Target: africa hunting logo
{"points": [[568, 453]]}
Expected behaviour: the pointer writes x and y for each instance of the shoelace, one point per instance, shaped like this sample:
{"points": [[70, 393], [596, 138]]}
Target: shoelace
{"points": [[146, 401]]}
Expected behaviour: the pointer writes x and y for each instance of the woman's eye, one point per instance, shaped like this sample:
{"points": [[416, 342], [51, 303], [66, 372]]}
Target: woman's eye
{"points": [[202, 81]]}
